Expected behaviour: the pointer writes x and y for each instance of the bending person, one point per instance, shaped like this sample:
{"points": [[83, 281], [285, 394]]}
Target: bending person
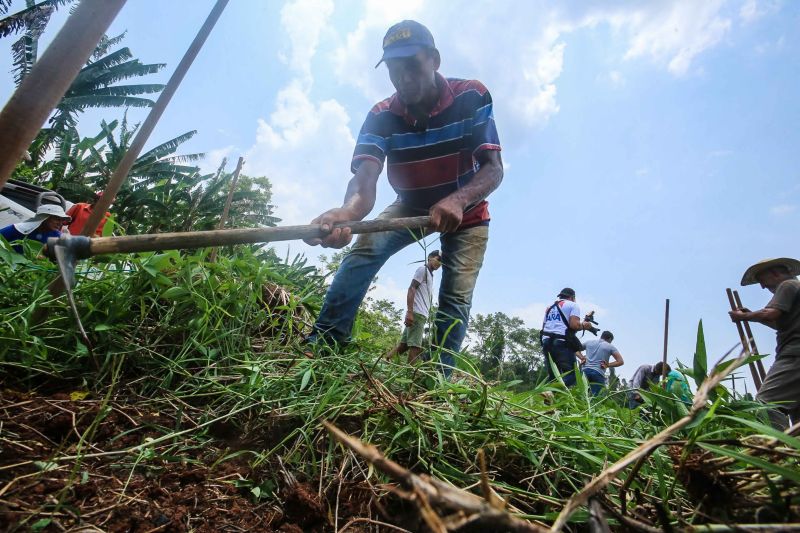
{"points": [[782, 313]]}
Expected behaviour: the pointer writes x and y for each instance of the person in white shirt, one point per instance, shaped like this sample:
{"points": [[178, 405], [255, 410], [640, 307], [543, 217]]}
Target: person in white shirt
{"points": [[559, 342], [418, 300]]}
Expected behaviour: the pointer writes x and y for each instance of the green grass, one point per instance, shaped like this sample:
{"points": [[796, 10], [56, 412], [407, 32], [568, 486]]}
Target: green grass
{"points": [[174, 328]]}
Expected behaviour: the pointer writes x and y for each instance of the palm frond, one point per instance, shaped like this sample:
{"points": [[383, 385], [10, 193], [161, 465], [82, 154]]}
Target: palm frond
{"points": [[168, 147], [72, 104], [93, 77], [105, 43], [33, 18], [126, 90]]}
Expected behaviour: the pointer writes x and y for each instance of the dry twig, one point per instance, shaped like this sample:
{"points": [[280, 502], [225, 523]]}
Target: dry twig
{"points": [[428, 492]]}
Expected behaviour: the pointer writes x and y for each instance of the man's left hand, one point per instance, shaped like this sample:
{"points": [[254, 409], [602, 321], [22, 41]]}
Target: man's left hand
{"points": [[446, 215]]}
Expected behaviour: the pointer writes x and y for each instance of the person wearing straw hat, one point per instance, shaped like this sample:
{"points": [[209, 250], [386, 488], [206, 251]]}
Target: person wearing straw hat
{"points": [[46, 223], [782, 313]]}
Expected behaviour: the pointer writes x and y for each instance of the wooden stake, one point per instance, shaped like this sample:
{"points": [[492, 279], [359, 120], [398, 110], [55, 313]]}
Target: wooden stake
{"points": [[121, 172], [224, 218], [666, 339], [42, 89], [761, 372], [745, 344]]}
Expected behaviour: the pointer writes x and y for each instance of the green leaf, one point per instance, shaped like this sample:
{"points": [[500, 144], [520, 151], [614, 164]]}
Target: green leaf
{"points": [[786, 473], [700, 363], [766, 430], [103, 327], [175, 293], [41, 524], [306, 378]]}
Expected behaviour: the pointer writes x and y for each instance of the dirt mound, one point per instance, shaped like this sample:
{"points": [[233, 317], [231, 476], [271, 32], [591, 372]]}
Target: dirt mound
{"points": [[67, 462]]}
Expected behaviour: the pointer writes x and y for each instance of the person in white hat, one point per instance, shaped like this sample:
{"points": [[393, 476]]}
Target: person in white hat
{"points": [[782, 313], [46, 223]]}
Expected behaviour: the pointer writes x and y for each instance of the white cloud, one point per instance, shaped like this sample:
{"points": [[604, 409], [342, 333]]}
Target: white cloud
{"points": [[520, 50], [753, 10], [783, 209], [389, 289], [673, 33], [213, 159], [304, 21], [304, 148]]}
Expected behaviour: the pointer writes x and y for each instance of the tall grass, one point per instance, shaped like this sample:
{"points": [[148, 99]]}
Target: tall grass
{"points": [[221, 337]]}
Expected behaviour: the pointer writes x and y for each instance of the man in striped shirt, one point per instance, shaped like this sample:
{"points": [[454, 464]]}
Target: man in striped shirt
{"points": [[438, 139]]}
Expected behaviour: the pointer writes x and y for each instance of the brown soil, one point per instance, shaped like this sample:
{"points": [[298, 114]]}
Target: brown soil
{"points": [[184, 484]]}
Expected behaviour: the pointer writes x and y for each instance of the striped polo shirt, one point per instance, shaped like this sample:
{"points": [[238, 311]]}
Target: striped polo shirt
{"points": [[427, 162]]}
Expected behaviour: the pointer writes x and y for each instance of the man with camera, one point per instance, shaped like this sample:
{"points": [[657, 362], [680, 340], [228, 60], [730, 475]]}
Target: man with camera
{"points": [[560, 344]]}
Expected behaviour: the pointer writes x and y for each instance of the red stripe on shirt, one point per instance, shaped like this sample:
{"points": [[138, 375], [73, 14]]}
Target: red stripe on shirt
{"points": [[426, 173]]}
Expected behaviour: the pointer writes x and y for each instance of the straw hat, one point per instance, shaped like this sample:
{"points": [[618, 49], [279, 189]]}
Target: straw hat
{"points": [[43, 212], [749, 278]]}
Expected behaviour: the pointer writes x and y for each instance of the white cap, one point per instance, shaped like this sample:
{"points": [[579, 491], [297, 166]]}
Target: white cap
{"points": [[43, 212]]}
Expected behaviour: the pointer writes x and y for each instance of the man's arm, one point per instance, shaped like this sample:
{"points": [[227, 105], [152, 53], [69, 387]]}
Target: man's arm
{"points": [[618, 361], [576, 324], [412, 292], [358, 202], [768, 316], [447, 213]]}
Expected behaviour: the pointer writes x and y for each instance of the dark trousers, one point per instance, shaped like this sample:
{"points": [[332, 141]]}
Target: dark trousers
{"points": [[556, 350]]}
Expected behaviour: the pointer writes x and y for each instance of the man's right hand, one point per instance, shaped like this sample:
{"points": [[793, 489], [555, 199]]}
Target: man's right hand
{"points": [[337, 237], [409, 321]]}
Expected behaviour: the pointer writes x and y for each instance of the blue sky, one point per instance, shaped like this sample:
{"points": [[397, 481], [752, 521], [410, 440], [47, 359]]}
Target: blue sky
{"points": [[650, 147]]}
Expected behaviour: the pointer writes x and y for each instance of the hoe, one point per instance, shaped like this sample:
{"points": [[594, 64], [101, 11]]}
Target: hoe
{"points": [[67, 249]]}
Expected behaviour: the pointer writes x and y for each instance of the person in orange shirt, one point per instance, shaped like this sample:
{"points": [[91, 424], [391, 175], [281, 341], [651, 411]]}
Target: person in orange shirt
{"points": [[80, 214]]}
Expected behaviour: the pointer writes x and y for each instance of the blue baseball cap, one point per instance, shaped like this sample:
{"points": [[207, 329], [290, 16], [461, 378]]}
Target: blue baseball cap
{"points": [[405, 39]]}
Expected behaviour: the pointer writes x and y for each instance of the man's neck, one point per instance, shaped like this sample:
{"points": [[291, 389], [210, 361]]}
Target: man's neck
{"points": [[422, 110]]}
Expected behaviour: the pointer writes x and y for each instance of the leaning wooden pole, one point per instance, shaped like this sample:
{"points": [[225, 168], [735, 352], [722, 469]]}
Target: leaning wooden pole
{"points": [[121, 172], [745, 341], [41, 90], [759, 365], [666, 341], [225, 210]]}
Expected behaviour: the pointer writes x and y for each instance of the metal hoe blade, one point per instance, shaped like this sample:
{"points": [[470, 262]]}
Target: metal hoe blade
{"points": [[66, 254]]}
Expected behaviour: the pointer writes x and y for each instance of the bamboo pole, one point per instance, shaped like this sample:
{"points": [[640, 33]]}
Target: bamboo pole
{"points": [[745, 344], [759, 365], [42, 89], [666, 339], [224, 218], [121, 172]]}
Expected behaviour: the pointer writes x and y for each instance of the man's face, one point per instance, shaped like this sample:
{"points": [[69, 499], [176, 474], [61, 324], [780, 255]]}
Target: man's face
{"points": [[770, 279], [413, 77], [434, 263], [53, 223]]}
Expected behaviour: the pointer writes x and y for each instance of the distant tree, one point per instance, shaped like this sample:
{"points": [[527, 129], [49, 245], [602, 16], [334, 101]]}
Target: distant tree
{"points": [[505, 348]]}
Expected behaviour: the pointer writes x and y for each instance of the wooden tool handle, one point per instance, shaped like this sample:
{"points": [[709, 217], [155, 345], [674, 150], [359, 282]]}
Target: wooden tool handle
{"points": [[745, 342], [201, 239]]}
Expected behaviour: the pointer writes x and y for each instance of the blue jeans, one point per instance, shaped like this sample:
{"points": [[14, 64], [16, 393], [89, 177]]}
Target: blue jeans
{"points": [[597, 380], [462, 257], [563, 357]]}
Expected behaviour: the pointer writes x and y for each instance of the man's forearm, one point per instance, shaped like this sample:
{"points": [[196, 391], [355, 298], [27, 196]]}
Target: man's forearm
{"points": [[359, 199], [486, 180], [766, 316], [410, 298]]}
